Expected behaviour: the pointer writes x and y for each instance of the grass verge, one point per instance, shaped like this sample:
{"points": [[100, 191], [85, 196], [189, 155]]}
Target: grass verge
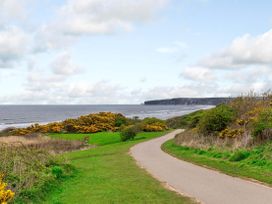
{"points": [[107, 174], [251, 164]]}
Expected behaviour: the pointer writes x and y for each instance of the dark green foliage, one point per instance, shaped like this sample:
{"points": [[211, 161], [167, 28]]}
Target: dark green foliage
{"points": [[216, 120], [262, 128], [120, 120], [57, 171], [239, 156], [187, 121], [128, 133]]}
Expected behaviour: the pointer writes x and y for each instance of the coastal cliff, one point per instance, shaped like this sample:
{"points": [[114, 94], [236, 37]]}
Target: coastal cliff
{"points": [[189, 101]]}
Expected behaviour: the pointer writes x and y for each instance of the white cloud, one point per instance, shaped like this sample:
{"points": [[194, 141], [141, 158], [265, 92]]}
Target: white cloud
{"points": [[12, 9], [14, 44], [63, 65], [246, 64], [243, 51], [197, 74], [79, 17]]}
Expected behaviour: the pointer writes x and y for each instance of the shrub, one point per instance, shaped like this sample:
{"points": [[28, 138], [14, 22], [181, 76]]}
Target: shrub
{"points": [[190, 120], [216, 120], [57, 171], [120, 120], [262, 127], [6, 195], [129, 133], [153, 124], [239, 156], [231, 133], [92, 123]]}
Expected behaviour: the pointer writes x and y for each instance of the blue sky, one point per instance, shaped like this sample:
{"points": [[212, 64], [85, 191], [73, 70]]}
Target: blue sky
{"points": [[116, 51]]}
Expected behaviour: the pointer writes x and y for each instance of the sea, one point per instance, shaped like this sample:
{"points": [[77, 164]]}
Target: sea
{"points": [[24, 115]]}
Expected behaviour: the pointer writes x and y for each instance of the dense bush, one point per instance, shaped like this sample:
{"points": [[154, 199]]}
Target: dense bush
{"points": [[216, 120], [262, 127], [128, 133], [186, 121], [92, 123], [153, 125]]}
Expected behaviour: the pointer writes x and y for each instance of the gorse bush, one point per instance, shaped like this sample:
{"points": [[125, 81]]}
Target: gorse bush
{"points": [[92, 123], [153, 125], [216, 120], [6, 194], [242, 122]]}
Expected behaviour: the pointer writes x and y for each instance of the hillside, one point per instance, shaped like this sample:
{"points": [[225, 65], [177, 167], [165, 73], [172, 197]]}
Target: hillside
{"points": [[189, 101], [234, 138]]}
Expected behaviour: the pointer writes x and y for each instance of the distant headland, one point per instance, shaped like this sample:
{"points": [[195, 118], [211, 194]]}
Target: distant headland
{"points": [[189, 101]]}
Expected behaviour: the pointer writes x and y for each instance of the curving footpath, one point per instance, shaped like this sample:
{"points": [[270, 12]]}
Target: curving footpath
{"points": [[207, 186]]}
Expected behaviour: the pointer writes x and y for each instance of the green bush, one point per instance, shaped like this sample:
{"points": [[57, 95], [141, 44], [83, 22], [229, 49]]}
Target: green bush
{"points": [[216, 120], [57, 171], [128, 133], [239, 156], [120, 120], [262, 127], [190, 120]]}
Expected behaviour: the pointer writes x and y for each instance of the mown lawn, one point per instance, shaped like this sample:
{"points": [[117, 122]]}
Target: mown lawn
{"points": [[253, 164], [107, 174]]}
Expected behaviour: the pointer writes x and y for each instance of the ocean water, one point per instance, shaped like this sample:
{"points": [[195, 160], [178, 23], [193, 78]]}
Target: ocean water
{"points": [[23, 115]]}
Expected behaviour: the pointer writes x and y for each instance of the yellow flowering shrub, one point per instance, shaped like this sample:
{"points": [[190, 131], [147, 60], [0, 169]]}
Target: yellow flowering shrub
{"points": [[153, 128], [6, 195], [153, 124], [92, 123], [231, 133]]}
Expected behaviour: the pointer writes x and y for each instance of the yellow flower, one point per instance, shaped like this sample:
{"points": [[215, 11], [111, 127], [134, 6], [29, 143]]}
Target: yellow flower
{"points": [[5, 194]]}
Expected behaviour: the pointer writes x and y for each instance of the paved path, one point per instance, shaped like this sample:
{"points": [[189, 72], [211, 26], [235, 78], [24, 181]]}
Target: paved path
{"points": [[205, 185]]}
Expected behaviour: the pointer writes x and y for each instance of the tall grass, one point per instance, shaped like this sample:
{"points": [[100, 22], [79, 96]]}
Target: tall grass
{"points": [[29, 169]]}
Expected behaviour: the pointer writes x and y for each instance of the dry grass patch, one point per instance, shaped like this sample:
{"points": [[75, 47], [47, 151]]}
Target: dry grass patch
{"points": [[44, 142]]}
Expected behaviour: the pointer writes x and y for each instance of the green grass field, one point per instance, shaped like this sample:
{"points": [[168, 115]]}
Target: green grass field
{"points": [[108, 174], [254, 164]]}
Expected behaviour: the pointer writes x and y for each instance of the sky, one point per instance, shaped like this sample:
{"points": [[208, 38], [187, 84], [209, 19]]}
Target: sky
{"points": [[129, 51]]}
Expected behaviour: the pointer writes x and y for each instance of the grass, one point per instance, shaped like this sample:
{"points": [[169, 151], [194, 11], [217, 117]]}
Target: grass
{"points": [[100, 138], [108, 174], [253, 164]]}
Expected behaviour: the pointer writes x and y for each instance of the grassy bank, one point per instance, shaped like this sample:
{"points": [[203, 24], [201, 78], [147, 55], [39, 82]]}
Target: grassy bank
{"points": [[255, 163], [107, 174]]}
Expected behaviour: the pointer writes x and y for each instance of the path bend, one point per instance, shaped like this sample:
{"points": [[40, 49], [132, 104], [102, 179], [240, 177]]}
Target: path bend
{"points": [[207, 186]]}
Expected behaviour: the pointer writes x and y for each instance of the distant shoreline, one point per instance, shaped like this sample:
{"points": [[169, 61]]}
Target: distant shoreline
{"points": [[22, 116], [189, 101]]}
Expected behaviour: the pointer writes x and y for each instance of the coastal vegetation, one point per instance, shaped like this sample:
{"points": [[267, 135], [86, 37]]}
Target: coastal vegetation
{"points": [[44, 163], [234, 137], [92, 123], [30, 171], [6, 195]]}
